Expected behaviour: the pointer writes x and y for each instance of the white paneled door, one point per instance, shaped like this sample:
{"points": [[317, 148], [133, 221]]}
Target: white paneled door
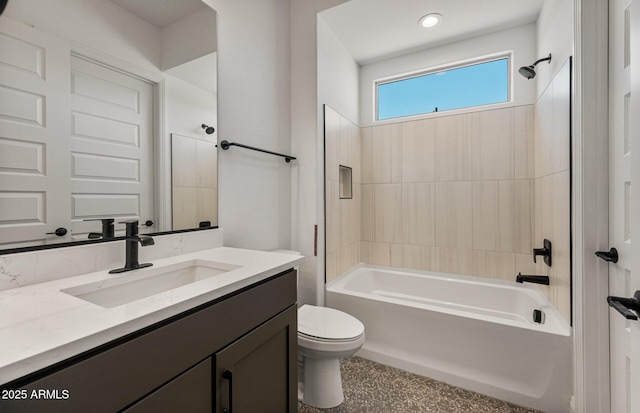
{"points": [[624, 209], [111, 146], [34, 135]]}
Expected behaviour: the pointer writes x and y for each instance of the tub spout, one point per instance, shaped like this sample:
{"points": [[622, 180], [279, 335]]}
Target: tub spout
{"points": [[536, 279]]}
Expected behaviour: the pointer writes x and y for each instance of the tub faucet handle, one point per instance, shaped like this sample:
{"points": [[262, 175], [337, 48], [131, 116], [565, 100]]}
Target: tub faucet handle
{"points": [[545, 252]]}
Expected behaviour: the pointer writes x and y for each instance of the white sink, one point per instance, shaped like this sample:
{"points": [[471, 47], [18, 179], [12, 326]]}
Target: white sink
{"points": [[146, 282]]}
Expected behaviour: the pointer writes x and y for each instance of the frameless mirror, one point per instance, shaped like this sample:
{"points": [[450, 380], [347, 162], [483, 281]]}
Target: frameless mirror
{"points": [[108, 111]]}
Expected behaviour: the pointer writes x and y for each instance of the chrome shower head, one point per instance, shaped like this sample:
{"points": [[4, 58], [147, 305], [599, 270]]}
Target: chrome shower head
{"points": [[529, 71]]}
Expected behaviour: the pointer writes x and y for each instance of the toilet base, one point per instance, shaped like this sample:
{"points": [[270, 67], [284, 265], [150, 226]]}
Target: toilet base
{"points": [[322, 383]]}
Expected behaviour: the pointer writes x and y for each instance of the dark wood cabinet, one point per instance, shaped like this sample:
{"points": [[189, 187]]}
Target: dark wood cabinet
{"points": [[177, 365], [189, 392], [258, 372]]}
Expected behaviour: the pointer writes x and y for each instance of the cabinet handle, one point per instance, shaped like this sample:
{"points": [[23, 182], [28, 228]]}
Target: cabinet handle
{"points": [[226, 374]]}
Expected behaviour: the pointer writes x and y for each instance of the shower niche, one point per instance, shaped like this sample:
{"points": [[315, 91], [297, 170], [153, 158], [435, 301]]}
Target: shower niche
{"points": [[346, 182]]}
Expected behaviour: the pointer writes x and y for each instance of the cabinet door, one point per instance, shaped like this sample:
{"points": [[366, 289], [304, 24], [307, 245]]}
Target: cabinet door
{"points": [[192, 392], [258, 373]]}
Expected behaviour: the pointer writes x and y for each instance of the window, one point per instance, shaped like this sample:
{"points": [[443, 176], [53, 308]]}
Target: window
{"points": [[460, 87]]}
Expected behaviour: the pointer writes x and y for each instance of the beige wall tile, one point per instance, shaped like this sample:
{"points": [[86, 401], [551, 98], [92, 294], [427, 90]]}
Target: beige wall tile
{"points": [[418, 145], [524, 142], [418, 214], [395, 251], [333, 216], [563, 296], [545, 213], [348, 225], [347, 258], [349, 154], [386, 154], [206, 205], [505, 240], [524, 216], [454, 214], [561, 121], [453, 149], [454, 261], [356, 144], [560, 213], [366, 155], [485, 215], [331, 266], [380, 254], [184, 207], [492, 264], [387, 207], [357, 224], [416, 257], [183, 161], [207, 164], [367, 214], [493, 144], [525, 264], [331, 142], [544, 133]]}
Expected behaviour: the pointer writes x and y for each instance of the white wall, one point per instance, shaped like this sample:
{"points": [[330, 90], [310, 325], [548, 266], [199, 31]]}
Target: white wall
{"points": [[555, 28], [338, 75], [306, 144], [189, 38], [95, 23], [520, 40], [254, 109]]}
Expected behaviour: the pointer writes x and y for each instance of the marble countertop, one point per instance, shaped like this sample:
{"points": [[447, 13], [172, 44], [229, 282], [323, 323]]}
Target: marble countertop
{"points": [[40, 325]]}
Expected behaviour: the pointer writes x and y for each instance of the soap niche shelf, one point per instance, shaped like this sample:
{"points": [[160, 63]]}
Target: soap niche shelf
{"points": [[346, 187]]}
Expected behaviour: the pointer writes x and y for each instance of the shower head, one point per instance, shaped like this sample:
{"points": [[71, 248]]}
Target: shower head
{"points": [[208, 129], [529, 71]]}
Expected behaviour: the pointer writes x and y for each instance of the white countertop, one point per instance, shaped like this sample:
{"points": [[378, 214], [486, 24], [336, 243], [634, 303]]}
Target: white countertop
{"points": [[40, 325]]}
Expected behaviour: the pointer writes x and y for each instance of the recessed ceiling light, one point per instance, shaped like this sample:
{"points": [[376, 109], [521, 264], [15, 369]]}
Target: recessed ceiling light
{"points": [[430, 20]]}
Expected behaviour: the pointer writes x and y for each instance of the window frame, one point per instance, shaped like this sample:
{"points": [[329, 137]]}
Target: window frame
{"points": [[443, 68]]}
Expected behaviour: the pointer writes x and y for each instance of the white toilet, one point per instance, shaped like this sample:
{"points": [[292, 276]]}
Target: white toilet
{"points": [[325, 335]]}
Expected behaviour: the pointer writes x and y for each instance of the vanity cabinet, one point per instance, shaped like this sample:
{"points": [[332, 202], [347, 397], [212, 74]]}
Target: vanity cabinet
{"points": [[238, 352]]}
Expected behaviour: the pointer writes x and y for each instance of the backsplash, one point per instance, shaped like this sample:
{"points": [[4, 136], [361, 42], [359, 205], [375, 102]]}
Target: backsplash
{"points": [[26, 268]]}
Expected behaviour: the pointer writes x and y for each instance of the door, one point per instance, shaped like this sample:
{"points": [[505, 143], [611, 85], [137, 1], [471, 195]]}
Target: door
{"points": [[34, 135], [258, 373], [624, 209], [111, 146]]}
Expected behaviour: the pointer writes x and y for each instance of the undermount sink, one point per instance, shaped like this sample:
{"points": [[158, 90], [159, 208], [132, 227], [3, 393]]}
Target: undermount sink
{"points": [[143, 283]]}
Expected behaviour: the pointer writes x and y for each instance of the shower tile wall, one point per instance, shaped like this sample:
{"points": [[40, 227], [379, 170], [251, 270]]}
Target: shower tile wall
{"points": [[467, 194], [552, 186], [452, 194], [342, 147]]}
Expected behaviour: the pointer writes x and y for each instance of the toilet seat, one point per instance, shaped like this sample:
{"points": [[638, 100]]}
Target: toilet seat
{"points": [[328, 324]]}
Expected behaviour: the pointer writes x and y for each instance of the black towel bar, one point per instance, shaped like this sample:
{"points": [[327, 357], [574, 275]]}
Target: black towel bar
{"points": [[226, 145]]}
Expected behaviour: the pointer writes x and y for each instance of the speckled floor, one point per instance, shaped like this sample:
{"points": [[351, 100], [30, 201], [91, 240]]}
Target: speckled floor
{"points": [[374, 388]]}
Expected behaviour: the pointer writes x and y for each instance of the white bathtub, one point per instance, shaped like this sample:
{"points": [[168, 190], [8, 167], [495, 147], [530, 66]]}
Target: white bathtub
{"points": [[471, 332]]}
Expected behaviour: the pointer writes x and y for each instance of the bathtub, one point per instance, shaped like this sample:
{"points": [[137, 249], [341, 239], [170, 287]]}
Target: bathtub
{"points": [[475, 333]]}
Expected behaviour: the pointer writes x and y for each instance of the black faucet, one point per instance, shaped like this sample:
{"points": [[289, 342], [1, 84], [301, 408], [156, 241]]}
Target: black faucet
{"points": [[132, 239], [536, 279], [107, 229]]}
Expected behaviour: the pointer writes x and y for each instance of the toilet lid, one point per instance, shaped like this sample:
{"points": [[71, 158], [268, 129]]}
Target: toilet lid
{"points": [[328, 323]]}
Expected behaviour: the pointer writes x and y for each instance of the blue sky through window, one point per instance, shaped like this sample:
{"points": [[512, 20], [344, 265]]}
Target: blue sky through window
{"points": [[462, 87]]}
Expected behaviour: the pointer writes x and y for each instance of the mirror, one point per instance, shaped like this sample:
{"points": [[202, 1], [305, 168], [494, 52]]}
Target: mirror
{"points": [[108, 111]]}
